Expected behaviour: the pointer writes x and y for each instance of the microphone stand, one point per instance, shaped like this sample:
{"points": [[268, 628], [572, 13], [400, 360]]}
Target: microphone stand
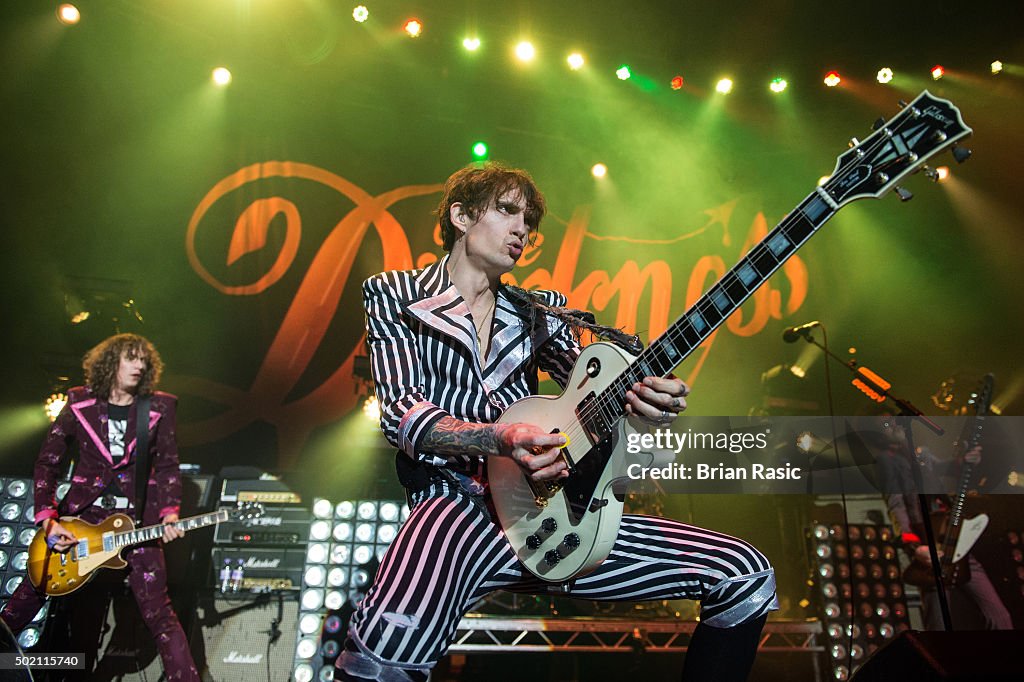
{"points": [[908, 412]]}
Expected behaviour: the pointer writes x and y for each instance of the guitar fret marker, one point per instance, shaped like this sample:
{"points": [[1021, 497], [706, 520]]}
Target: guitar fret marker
{"points": [[697, 320], [747, 274], [778, 243]]}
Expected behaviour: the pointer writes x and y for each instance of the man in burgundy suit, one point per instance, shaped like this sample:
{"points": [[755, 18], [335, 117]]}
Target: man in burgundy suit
{"points": [[100, 419]]}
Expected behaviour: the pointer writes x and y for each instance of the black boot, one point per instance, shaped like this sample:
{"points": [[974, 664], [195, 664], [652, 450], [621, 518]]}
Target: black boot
{"points": [[722, 654]]}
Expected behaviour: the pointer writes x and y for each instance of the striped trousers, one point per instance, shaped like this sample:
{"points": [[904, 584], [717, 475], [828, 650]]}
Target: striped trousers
{"points": [[450, 554]]}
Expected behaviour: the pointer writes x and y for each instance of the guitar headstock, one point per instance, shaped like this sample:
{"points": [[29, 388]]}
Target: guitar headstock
{"points": [[898, 148], [981, 398], [247, 511]]}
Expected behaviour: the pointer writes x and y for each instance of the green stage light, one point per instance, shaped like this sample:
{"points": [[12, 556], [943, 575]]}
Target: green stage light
{"points": [[361, 14], [623, 73], [480, 151], [778, 85]]}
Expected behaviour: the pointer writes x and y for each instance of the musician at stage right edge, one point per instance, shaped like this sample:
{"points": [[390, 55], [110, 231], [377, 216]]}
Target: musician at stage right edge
{"points": [[451, 346], [977, 595], [99, 423]]}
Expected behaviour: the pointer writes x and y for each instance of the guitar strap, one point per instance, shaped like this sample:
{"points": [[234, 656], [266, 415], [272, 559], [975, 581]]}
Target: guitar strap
{"points": [[141, 455]]}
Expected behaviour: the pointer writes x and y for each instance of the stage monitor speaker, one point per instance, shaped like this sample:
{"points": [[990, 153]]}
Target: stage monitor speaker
{"points": [[968, 656], [239, 642]]}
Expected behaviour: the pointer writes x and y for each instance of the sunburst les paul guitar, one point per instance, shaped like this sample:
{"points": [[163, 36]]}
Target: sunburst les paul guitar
{"points": [[565, 528], [99, 546]]}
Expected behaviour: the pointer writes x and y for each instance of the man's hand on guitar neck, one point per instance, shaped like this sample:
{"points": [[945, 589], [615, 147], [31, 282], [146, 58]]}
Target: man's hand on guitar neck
{"points": [[58, 538], [171, 532], [973, 456], [657, 400]]}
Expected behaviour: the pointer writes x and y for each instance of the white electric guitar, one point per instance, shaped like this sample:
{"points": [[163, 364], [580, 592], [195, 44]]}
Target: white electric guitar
{"points": [[565, 528]]}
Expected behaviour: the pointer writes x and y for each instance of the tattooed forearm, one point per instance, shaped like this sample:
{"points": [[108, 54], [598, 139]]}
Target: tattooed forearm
{"points": [[451, 436]]}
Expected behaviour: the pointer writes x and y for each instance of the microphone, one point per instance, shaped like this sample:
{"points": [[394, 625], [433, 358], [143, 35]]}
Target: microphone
{"points": [[791, 334]]}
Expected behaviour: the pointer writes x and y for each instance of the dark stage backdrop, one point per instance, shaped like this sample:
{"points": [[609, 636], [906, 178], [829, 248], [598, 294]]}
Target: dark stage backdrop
{"points": [[241, 221]]}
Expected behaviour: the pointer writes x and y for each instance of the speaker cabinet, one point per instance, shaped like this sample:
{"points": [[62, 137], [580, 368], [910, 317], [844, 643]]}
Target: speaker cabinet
{"points": [[239, 639], [968, 656]]}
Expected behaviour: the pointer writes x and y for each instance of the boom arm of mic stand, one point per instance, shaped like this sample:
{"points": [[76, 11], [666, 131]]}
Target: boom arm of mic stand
{"points": [[906, 407]]}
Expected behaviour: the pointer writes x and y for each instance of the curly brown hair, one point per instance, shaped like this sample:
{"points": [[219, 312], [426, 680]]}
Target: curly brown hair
{"points": [[478, 187], [101, 363]]}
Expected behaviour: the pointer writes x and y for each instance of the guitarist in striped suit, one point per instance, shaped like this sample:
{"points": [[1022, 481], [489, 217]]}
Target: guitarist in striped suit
{"points": [[451, 347], [99, 421]]}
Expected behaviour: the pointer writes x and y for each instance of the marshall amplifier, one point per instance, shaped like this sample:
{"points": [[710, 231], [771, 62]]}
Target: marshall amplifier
{"points": [[263, 566], [266, 489], [245, 639], [278, 527]]}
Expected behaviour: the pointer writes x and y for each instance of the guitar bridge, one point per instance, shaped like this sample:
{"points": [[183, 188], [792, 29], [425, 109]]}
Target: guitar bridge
{"points": [[545, 490]]}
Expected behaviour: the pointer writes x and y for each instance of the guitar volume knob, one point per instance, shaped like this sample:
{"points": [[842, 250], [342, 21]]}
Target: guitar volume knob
{"points": [[549, 525], [552, 557], [572, 541], [533, 541]]}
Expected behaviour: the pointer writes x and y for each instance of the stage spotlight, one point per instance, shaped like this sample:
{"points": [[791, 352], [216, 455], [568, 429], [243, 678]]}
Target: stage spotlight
{"points": [[221, 76], [575, 61], [345, 509], [316, 553], [525, 51], [884, 75], [68, 14], [367, 511], [371, 409], [832, 79], [724, 86], [54, 404], [797, 371], [623, 73], [320, 530], [360, 13], [938, 72], [413, 27], [342, 532], [303, 673], [310, 624], [676, 83], [480, 151], [389, 511], [941, 173], [599, 170], [778, 85], [312, 599], [997, 67], [471, 44], [322, 509]]}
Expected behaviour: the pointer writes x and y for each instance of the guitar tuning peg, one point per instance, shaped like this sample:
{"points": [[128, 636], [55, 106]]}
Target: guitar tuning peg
{"points": [[961, 154], [853, 142], [902, 103], [878, 123], [930, 173], [903, 193]]}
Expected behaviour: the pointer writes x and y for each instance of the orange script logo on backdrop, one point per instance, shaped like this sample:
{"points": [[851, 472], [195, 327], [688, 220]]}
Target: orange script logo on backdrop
{"points": [[316, 300]]}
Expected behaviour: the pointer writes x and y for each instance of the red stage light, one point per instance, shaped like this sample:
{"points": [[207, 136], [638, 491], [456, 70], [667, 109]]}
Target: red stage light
{"points": [[414, 27], [938, 72], [677, 83]]}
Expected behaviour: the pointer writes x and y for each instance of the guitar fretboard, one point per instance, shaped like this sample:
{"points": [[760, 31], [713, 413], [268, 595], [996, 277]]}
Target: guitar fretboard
{"points": [[721, 300], [140, 535]]}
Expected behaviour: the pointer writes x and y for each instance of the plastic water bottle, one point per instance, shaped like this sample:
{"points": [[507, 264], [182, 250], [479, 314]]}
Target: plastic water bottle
{"points": [[225, 576], [236, 577]]}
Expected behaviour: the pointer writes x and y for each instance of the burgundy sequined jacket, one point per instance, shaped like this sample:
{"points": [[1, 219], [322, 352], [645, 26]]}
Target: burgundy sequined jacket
{"points": [[83, 422]]}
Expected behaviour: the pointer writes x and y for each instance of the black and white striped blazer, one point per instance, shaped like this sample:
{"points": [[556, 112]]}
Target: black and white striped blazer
{"points": [[423, 355]]}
